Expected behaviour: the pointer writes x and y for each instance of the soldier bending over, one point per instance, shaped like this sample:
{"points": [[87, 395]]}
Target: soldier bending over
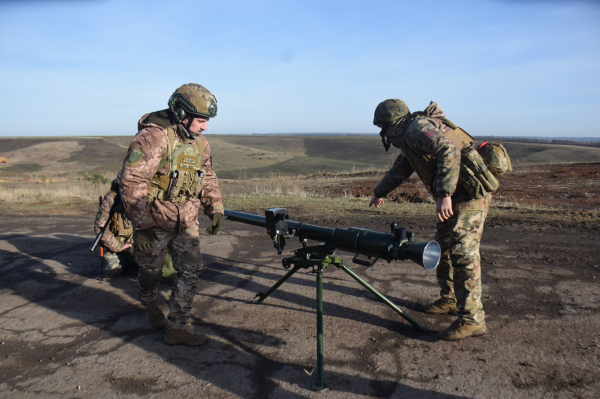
{"points": [[461, 203]]}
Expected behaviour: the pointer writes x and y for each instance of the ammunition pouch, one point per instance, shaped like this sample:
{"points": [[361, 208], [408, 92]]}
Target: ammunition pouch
{"points": [[175, 189], [495, 157], [475, 176], [120, 225], [471, 161], [149, 280]]}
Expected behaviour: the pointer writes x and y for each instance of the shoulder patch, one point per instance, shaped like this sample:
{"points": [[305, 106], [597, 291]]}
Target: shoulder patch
{"points": [[135, 156]]}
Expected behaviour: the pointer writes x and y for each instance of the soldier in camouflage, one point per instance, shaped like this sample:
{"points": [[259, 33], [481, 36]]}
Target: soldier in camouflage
{"points": [[117, 240], [166, 176], [426, 150]]}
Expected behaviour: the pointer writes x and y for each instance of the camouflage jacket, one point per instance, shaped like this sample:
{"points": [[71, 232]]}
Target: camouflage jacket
{"points": [[424, 134], [113, 242], [151, 142]]}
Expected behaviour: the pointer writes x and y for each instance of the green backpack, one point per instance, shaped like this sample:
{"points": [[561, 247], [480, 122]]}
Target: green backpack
{"points": [[495, 157]]}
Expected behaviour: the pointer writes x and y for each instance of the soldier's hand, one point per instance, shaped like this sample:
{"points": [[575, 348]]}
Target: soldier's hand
{"points": [[217, 223], [145, 239], [376, 201], [124, 247], [444, 208]]}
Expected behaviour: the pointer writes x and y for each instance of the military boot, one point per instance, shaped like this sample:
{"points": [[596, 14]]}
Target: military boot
{"points": [[459, 330], [441, 306], [183, 335], [156, 317]]}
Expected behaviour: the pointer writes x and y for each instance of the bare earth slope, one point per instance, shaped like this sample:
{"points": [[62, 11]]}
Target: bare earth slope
{"points": [[572, 186]]}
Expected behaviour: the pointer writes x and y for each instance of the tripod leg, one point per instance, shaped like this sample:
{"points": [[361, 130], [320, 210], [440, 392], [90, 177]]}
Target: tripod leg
{"points": [[379, 295], [264, 296], [320, 386]]}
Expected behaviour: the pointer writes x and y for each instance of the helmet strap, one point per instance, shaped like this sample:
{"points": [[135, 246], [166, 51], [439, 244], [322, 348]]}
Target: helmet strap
{"points": [[386, 144], [185, 132]]}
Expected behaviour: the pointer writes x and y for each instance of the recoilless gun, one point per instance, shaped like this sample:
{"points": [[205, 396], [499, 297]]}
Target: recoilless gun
{"points": [[398, 245]]}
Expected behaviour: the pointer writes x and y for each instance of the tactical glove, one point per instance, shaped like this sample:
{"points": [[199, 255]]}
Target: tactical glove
{"points": [[217, 223], [145, 239]]}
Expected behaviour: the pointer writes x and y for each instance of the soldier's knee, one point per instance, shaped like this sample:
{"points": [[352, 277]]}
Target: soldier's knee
{"points": [[149, 279]]}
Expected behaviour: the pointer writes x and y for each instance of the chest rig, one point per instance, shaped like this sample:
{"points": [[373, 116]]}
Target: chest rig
{"points": [[185, 171]]}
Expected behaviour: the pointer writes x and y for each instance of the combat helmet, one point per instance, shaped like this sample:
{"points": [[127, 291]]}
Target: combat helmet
{"points": [[192, 100], [389, 112]]}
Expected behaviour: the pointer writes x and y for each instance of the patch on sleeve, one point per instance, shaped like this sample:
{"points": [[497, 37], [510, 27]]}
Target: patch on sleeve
{"points": [[99, 215], [135, 156]]}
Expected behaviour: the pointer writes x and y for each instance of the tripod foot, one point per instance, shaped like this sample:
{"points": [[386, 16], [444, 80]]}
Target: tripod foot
{"points": [[320, 387]]}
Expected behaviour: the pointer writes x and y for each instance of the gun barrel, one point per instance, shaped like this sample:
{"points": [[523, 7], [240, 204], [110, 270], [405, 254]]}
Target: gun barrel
{"points": [[247, 218], [96, 241], [357, 240]]}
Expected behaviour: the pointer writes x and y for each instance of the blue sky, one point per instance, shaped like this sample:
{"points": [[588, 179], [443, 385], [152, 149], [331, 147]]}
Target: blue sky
{"points": [[496, 67]]}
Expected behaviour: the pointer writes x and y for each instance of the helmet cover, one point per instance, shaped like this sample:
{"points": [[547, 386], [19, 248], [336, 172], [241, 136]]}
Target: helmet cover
{"points": [[195, 100], [390, 111]]}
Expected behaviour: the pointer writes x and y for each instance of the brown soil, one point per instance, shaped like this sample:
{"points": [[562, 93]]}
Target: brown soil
{"points": [[570, 186], [65, 333]]}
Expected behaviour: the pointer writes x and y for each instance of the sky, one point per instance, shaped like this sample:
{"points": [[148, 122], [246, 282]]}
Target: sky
{"points": [[496, 67]]}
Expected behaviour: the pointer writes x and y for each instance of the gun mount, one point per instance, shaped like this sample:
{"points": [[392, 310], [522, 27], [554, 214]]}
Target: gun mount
{"points": [[397, 245]]}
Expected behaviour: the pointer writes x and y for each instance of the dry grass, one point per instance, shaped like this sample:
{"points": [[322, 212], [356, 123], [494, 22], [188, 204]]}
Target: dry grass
{"points": [[58, 198], [300, 193], [32, 193], [274, 186]]}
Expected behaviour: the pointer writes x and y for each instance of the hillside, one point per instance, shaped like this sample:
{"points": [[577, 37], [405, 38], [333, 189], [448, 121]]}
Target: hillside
{"points": [[242, 156]]}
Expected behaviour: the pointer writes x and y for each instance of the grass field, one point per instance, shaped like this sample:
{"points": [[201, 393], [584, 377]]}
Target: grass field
{"points": [[236, 157], [64, 176]]}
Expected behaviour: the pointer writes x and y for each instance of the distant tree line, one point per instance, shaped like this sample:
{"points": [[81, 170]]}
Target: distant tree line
{"points": [[538, 141]]}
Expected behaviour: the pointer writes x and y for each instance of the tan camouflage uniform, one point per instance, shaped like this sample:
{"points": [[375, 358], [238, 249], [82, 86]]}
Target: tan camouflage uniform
{"points": [[175, 223], [459, 271], [113, 238]]}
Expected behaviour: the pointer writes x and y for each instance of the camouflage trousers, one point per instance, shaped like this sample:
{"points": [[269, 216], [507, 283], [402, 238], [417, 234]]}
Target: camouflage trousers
{"points": [[115, 264], [459, 270], [187, 260]]}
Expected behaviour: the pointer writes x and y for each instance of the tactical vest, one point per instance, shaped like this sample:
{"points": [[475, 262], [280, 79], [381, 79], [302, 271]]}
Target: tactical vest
{"points": [[185, 171], [474, 175]]}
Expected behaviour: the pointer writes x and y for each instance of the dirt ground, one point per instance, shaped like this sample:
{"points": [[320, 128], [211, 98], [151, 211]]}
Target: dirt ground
{"points": [[66, 333], [571, 186]]}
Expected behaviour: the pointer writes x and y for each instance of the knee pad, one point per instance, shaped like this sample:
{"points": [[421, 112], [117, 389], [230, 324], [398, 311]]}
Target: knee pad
{"points": [[148, 279]]}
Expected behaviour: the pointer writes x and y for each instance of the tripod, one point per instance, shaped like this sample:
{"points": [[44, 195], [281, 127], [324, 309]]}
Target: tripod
{"points": [[317, 258]]}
